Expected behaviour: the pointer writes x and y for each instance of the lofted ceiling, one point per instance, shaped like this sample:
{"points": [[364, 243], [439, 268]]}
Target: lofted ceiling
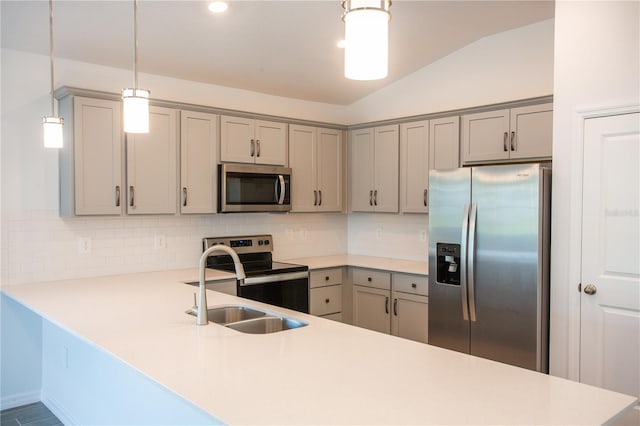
{"points": [[285, 48]]}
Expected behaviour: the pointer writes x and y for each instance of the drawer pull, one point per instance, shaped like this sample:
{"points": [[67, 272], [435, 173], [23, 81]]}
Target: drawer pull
{"points": [[414, 285], [327, 300], [369, 279], [326, 278]]}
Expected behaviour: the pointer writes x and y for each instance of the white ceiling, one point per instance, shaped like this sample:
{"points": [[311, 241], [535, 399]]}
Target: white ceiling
{"points": [[285, 48]]}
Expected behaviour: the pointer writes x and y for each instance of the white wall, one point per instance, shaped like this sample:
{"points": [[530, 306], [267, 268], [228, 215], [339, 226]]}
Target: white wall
{"points": [[389, 235], [597, 66], [511, 65]]}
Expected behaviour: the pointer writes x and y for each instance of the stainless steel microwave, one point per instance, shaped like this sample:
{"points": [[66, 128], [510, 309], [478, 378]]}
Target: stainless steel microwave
{"points": [[253, 188]]}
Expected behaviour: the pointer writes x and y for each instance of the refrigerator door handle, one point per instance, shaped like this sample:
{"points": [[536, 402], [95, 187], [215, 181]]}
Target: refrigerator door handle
{"points": [[463, 262], [471, 254]]}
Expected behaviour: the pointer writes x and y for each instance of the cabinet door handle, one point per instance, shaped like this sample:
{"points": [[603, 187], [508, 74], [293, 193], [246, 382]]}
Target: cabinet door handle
{"points": [[131, 196], [253, 147], [395, 307], [184, 196], [375, 197], [386, 304], [504, 141], [319, 197], [513, 141], [315, 197], [371, 198], [258, 148], [425, 197], [117, 195]]}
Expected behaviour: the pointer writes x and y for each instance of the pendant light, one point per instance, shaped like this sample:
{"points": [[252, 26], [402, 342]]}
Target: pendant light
{"points": [[52, 125], [135, 100], [366, 51]]}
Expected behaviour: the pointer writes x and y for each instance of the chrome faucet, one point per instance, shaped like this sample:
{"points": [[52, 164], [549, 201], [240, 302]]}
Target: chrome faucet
{"points": [[202, 313]]}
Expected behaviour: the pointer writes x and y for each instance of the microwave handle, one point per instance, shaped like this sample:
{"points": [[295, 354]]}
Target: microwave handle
{"points": [[280, 196]]}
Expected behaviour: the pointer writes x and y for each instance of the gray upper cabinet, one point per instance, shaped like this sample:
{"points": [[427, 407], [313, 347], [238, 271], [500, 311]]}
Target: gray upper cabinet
{"points": [[444, 143], [198, 162], [245, 140], [91, 161], [523, 133], [152, 165], [315, 157], [425, 145], [374, 169], [414, 166]]}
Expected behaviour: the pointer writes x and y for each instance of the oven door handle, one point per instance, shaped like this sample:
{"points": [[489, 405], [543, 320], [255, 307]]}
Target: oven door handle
{"points": [[265, 279]]}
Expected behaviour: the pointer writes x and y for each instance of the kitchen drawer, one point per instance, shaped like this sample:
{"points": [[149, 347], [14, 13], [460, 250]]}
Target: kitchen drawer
{"points": [[326, 300], [371, 278], [414, 284], [325, 277]]}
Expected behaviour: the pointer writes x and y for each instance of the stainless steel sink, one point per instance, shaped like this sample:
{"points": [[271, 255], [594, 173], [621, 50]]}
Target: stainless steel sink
{"points": [[266, 325], [230, 314]]}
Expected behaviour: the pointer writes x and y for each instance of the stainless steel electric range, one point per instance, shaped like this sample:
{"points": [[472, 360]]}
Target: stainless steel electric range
{"points": [[277, 283]]}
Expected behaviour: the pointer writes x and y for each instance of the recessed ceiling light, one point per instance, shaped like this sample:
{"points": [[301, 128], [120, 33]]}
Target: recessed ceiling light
{"points": [[218, 6], [342, 44]]}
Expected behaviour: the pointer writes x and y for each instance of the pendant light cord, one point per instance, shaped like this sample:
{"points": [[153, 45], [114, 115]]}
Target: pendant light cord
{"points": [[135, 46], [51, 52]]}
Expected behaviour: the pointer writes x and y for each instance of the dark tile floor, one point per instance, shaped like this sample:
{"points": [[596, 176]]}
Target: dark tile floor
{"points": [[36, 414]]}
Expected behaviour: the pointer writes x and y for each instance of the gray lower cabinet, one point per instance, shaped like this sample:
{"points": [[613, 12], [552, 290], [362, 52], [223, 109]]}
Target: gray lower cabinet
{"points": [[325, 293], [391, 303]]}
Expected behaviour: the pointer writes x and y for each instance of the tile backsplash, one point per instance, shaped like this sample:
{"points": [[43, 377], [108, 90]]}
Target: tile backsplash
{"points": [[41, 246]]}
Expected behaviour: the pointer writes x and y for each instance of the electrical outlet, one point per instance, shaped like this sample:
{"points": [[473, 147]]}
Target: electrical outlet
{"points": [[160, 242], [423, 235], [84, 245], [379, 234]]}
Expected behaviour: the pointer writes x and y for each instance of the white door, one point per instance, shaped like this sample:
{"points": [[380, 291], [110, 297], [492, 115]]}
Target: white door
{"points": [[610, 298]]}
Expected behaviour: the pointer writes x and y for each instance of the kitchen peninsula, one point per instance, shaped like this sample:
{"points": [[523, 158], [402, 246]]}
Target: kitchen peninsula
{"points": [[323, 373]]}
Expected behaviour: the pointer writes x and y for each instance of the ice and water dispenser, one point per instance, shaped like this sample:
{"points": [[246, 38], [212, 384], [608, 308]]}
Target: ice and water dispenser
{"points": [[448, 263]]}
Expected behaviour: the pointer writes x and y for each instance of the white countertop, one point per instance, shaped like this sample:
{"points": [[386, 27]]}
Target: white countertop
{"points": [[324, 373], [371, 262]]}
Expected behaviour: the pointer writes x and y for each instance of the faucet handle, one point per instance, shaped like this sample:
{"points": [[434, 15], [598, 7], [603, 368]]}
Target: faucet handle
{"points": [[194, 309]]}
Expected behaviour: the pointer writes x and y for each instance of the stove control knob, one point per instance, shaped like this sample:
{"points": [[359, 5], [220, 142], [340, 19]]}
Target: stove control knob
{"points": [[260, 242], [266, 242]]}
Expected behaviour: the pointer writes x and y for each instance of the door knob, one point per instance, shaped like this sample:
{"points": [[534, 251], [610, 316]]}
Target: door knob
{"points": [[590, 289]]}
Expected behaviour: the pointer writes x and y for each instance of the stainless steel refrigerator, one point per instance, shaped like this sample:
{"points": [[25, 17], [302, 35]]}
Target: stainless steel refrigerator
{"points": [[489, 262]]}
